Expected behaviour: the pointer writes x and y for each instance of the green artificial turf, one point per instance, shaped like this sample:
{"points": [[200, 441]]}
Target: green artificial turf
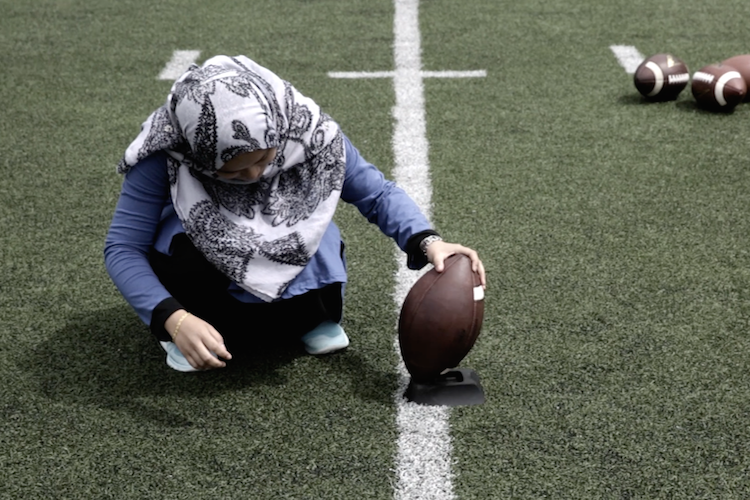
{"points": [[614, 232], [614, 349]]}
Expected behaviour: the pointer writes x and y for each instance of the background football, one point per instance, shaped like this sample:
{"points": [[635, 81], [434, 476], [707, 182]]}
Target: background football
{"points": [[441, 319], [742, 64], [718, 87], [661, 77]]}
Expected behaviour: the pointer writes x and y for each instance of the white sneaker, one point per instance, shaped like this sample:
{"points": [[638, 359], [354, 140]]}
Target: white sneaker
{"points": [[175, 359], [325, 338]]}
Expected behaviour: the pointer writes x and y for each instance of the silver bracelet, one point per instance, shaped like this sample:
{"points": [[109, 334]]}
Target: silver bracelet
{"points": [[428, 241]]}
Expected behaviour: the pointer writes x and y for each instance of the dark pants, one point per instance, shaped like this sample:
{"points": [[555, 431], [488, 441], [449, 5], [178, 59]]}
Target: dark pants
{"points": [[203, 291]]}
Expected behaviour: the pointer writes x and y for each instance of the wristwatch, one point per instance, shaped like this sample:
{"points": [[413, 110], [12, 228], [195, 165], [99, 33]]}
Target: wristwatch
{"points": [[428, 241]]}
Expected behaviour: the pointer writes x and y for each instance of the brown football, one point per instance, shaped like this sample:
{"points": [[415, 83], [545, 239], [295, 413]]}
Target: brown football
{"points": [[441, 319], [742, 64], [718, 87], [661, 77]]}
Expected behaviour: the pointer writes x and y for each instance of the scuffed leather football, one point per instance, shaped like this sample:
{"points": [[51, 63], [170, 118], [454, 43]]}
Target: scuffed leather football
{"points": [[661, 77], [718, 87], [441, 319]]}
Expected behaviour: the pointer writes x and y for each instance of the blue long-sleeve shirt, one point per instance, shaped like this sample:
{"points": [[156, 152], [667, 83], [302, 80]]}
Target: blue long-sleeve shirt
{"points": [[145, 219]]}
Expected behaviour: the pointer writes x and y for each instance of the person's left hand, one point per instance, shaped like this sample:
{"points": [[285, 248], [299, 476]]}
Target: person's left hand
{"points": [[438, 251]]}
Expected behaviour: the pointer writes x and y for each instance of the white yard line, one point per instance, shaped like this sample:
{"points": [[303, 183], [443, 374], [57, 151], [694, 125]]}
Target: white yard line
{"points": [[423, 461], [424, 74], [628, 57], [181, 60]]}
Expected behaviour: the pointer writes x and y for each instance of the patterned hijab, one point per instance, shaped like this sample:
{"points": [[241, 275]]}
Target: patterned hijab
{"points": [[260, 234]]}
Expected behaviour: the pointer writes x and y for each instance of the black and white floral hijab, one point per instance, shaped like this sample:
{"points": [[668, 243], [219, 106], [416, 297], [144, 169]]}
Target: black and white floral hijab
{"points": [[259, 234]]}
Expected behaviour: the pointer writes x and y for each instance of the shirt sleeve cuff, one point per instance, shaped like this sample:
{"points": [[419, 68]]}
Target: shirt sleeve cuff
{"points": [[162, 311], [415, 258]]}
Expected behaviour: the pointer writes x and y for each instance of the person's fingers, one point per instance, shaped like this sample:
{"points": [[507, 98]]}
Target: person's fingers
{"points": [[213, 362], [473, 255], [207, 360], [476, 263], [482, 275], [204, 346], [216, 344], [477, 266], [198, 362], [222, 352], [198, 354], [439, 263], [219, 349], [438, 252]]}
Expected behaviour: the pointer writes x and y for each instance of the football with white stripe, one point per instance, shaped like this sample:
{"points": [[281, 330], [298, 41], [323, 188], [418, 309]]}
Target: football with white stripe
{"points": [[742, 64], [718, 87], [440, 319], [661, 77]]}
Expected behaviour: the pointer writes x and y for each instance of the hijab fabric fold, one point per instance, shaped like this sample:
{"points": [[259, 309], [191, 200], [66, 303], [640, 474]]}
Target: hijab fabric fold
{"points": [[259, 234]]}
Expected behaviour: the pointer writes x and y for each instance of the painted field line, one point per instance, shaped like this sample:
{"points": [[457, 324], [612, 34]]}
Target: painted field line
{"points": [[480, 73], [423, 461], [628, 57], [180, 62]]}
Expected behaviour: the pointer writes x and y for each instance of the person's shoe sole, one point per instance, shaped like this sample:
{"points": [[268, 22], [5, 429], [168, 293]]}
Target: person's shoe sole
{"points": [[175, 359], [326, 338]]}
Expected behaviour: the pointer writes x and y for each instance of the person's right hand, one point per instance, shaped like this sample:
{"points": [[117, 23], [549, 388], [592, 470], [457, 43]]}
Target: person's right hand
{"points": [[198, 341]]}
